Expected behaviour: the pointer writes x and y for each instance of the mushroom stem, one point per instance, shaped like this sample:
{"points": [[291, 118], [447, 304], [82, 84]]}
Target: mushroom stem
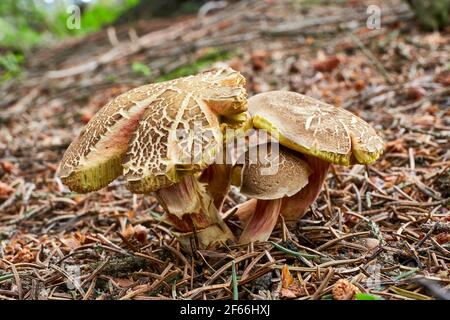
{"points": [[243, 211], [190, 210], [294, 208], [218, 179], [262, 221]]}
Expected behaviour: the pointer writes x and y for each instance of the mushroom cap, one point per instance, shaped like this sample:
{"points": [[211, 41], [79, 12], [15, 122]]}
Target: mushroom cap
{"points": [[155, 134], [316, 128], [283, 175]]}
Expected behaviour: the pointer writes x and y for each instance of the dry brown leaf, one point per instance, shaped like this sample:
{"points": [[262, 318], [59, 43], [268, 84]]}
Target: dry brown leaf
{"points": [[71, 243], [443, 237], [289, 287], [286, 278], [5, 190], [327, 64], [444, 78], [7, 166], [359, 85], [123, 282]]}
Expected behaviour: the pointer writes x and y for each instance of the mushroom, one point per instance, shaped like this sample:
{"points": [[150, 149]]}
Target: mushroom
{"points": [[269, 188], [317, 135], [161, 137]]}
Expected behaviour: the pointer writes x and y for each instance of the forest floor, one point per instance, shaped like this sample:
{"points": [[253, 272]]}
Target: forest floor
{"points": [[384, 227]]}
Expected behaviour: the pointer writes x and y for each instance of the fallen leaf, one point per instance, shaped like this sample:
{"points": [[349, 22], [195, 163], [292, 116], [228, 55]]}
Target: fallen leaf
{"points": [[371, 243], [286, 293], [326, 64], [71, 243], [443, 237], [289, 287], [5, 190], [359, 85], [444, 78], [123, 282], [7, 166], [286, 277]]}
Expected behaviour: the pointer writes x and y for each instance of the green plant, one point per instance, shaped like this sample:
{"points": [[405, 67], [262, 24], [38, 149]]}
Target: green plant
{"points": [[22, 24], [140, 69], [25, 24], [367, 296], [431, 14], [96, 16], [10, 65]]}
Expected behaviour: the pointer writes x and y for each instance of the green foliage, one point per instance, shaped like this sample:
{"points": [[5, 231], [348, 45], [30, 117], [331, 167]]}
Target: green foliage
{"points": [[98, 15], [10, 65], [213, 55], [26, 23], [22, 24], [432, 14], [140, 69], [367, 296]]}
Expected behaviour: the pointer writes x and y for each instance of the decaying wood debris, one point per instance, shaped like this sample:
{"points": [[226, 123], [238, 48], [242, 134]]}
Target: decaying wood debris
{"points": [[383, 227]]}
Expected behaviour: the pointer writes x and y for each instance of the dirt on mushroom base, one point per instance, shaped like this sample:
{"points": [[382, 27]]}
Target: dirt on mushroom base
{"points": [[403, 196]]}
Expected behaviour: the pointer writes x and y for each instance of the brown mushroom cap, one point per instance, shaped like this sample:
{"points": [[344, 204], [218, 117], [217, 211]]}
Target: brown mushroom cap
{"points": [[137, 133], [290, 174], [312, 127]]}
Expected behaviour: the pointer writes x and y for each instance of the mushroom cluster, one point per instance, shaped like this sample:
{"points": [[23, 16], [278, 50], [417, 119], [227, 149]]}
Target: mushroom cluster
{"points": [[160, 137], [312, 135], [167, 138]]}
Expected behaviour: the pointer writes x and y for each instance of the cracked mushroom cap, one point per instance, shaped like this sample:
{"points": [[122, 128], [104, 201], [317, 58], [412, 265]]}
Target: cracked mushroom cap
{"points": [[281, 173], [313, 127], [155, 134]]}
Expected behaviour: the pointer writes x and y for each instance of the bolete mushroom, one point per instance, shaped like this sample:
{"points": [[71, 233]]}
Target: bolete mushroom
{"points": [[160, 137], [317, 134], [290, 175]]}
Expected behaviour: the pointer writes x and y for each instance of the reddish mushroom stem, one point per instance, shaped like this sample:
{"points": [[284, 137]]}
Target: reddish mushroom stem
{"points": [[294, 208], [243, 211], [218, 179], [262, 221], [192, 213]]}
